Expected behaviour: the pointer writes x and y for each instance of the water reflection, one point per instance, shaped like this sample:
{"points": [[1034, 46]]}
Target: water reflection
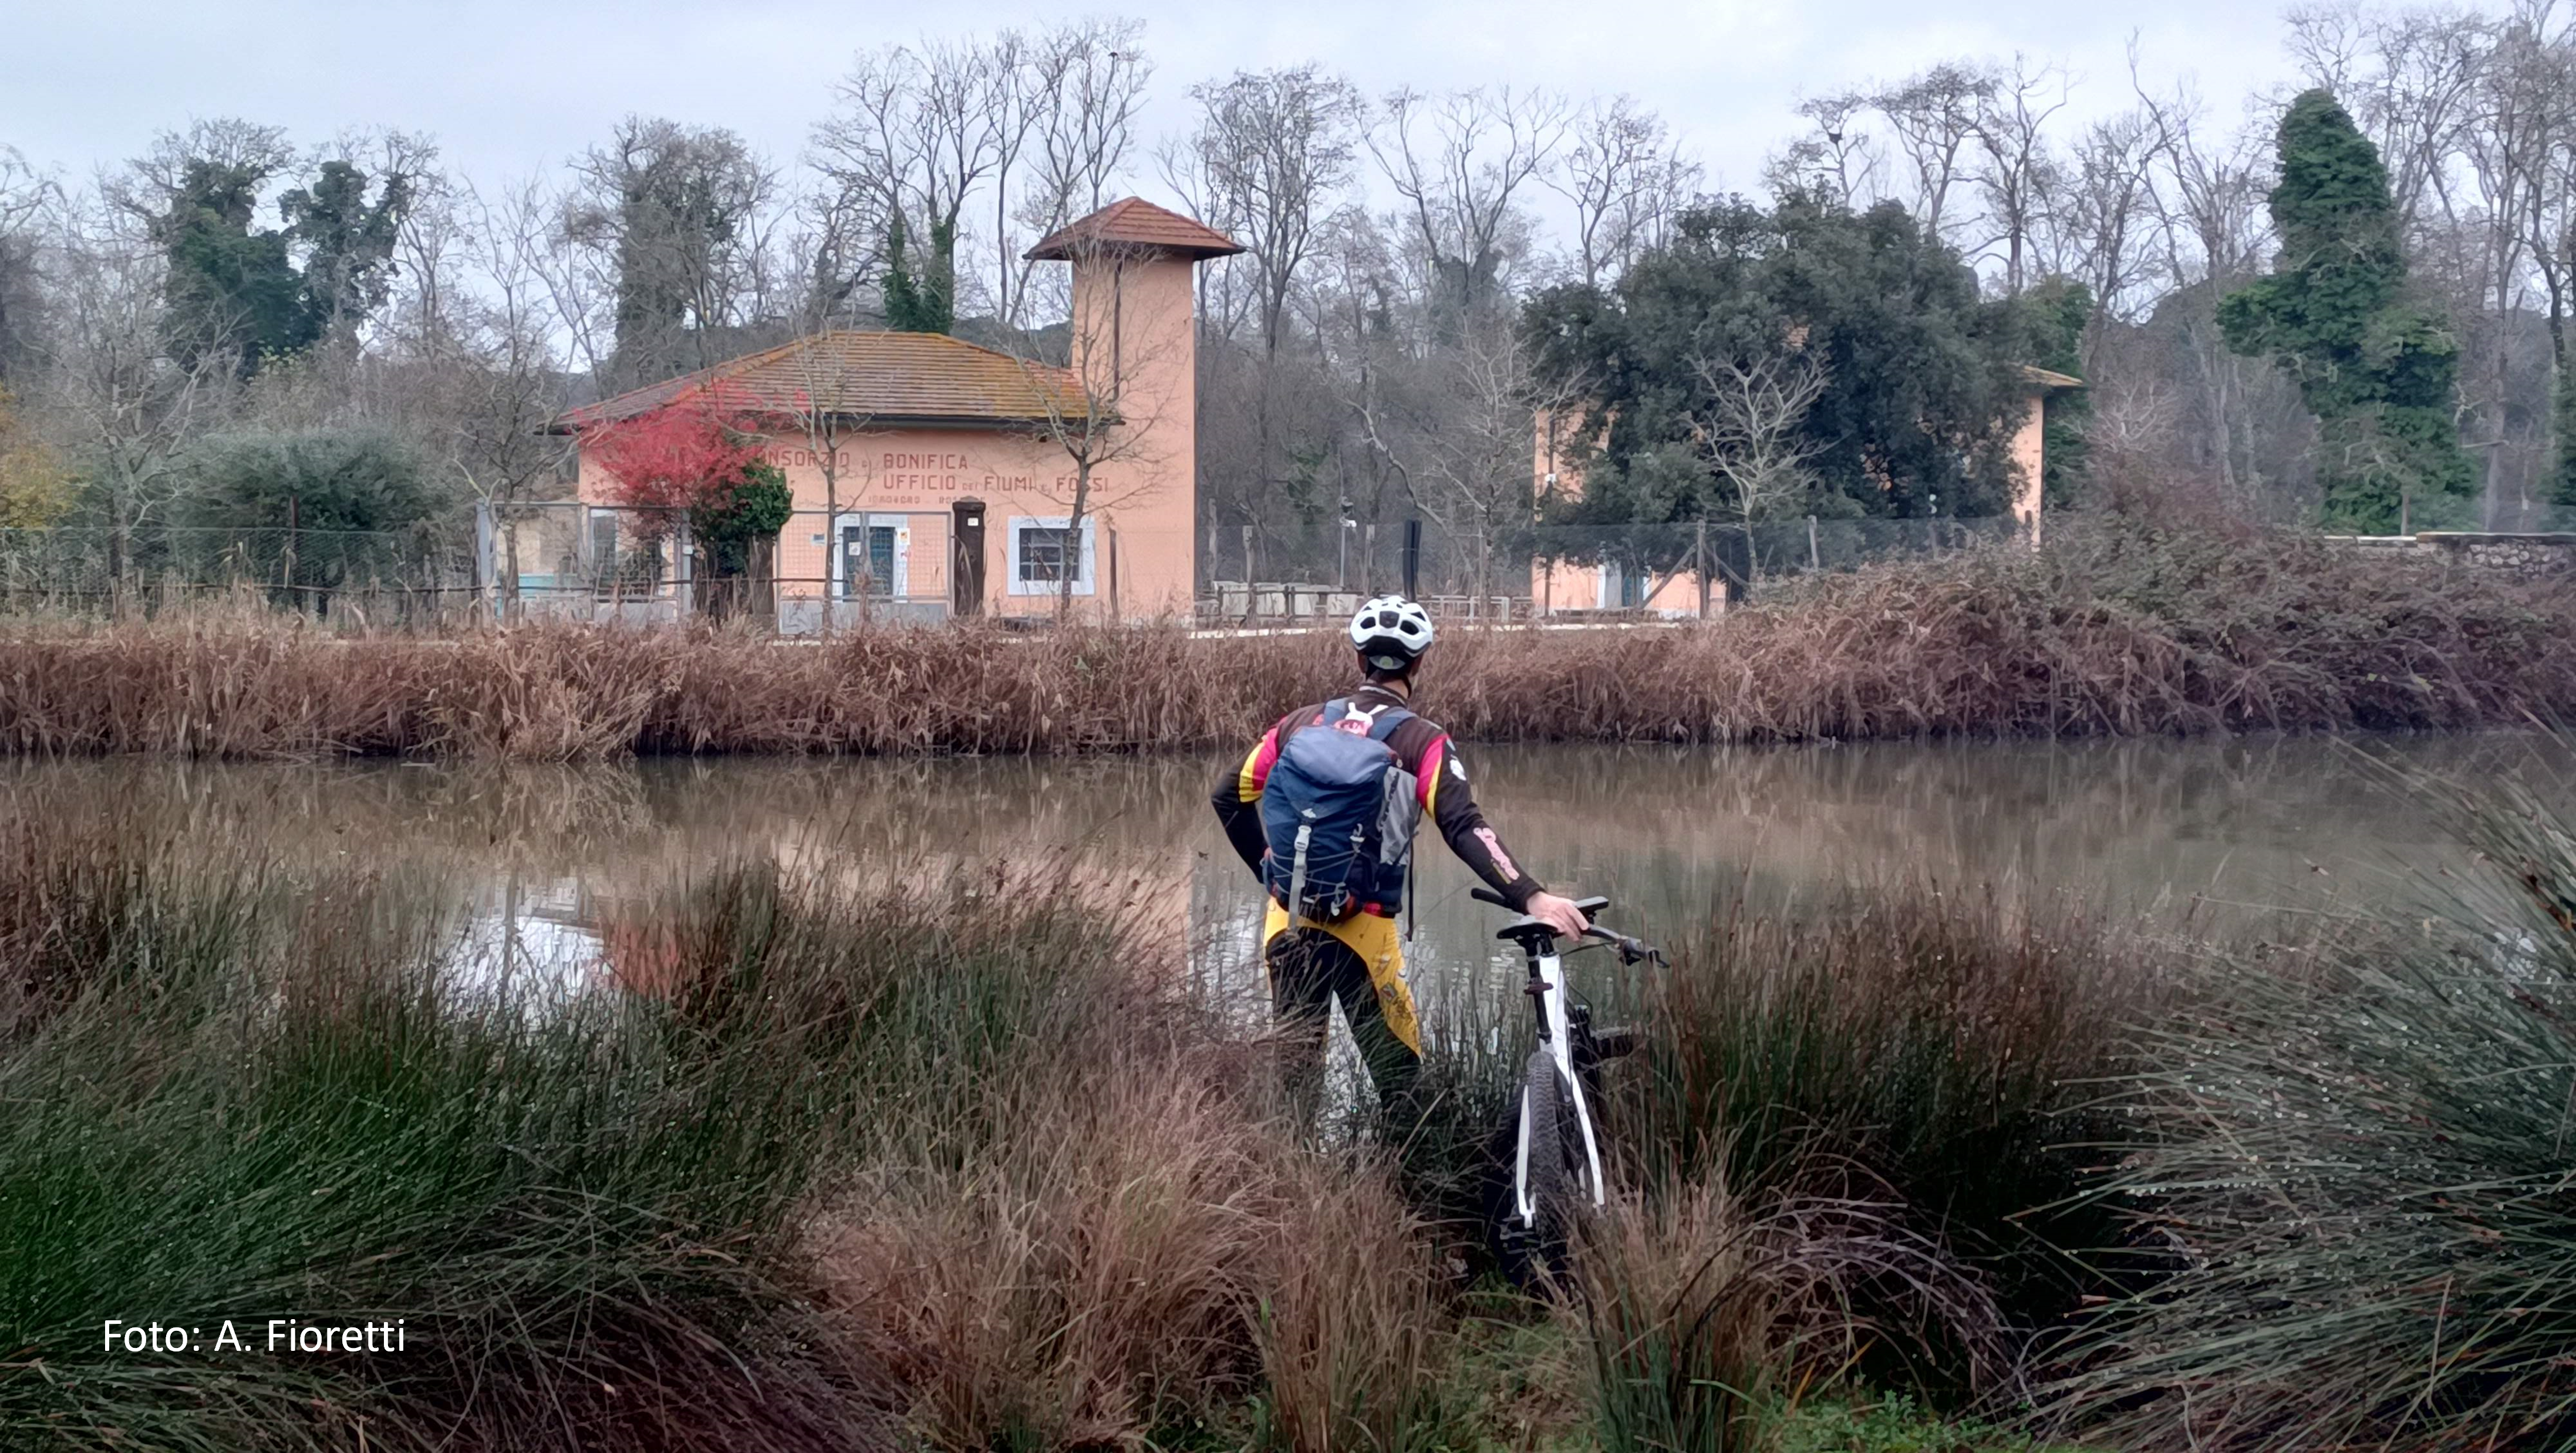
{"points": [[529, 945], [2208, 828]]}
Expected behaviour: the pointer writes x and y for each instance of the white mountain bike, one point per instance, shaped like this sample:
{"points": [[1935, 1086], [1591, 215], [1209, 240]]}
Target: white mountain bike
{"points": [[1556, 1155]]}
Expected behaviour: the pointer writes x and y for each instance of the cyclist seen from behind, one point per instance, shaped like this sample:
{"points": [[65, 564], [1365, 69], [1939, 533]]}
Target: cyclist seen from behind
{"points": [[1323, 810]]}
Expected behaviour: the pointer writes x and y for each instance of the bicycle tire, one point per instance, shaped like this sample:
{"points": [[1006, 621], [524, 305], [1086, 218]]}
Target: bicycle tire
{"points": [[1553, 1157]]}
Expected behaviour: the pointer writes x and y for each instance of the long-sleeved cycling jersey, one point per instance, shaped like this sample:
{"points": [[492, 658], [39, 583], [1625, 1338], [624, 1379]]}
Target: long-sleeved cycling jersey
{"points": [[1421, 748]]}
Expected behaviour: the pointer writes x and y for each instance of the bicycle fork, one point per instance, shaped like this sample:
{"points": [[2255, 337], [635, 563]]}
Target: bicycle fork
{"points": [[1556, 1028]]}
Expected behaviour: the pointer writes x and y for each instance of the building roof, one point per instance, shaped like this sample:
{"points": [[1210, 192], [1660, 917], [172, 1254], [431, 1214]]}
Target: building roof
{"points": [[907, 377], [1133, 223], [2048, 379]]}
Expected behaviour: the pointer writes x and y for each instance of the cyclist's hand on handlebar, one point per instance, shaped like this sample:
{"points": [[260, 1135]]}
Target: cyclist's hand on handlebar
{"points": [[1558, 913]]}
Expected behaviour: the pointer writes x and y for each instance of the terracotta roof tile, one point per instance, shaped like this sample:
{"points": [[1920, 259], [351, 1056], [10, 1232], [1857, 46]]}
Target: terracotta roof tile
{"points": [[907, 376], [1134, 222]]}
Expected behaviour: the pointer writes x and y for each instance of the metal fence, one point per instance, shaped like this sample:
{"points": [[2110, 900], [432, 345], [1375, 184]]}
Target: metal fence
{"points": [[566, 560], [561, 559], [1574, 572], [397, 577]]}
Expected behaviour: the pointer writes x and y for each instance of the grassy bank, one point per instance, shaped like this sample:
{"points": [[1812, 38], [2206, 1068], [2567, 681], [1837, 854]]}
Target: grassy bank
{"points": [[2115, 629], [813, 1163]]}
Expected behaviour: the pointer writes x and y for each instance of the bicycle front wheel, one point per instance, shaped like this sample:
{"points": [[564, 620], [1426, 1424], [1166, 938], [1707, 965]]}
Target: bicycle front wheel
{"points": [[1553, 1180]]}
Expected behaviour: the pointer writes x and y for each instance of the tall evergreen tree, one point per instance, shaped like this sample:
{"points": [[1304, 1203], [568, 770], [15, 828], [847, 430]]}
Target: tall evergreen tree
{"points": [[2057, 310], [1922, 381], [2376, 368], [230, 286], [348, 243], [256, 293], [921, 298]]}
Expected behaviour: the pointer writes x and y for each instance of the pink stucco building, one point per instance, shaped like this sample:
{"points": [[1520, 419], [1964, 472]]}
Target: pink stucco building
{"points": [[1560, 587], [933, 477]]}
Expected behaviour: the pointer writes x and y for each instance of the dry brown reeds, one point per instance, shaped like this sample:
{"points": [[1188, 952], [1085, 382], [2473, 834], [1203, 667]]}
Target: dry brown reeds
{"points": [[1705, 1313], [1079, 1284], [2121, 629]]}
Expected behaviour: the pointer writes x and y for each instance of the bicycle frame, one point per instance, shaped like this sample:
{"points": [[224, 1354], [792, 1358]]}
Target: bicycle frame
{"points": [[1567, 1036]]}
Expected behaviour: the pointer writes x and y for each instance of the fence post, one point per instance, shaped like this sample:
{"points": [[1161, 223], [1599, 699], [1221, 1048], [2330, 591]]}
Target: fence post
{"points": [[1251, 597], [286, 574], [484, 574], [683, 577], [1699, 563], [1813, 563]]}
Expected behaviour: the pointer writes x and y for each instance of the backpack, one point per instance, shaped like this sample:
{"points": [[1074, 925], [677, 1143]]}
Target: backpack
{"points": [[1338, 813]]}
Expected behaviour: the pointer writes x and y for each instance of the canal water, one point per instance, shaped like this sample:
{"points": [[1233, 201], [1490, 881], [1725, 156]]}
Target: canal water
{"points": [[2207, 834]]}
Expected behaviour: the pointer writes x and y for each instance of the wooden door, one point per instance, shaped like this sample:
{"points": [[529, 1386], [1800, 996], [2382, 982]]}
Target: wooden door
{"points": [[966, 560]]}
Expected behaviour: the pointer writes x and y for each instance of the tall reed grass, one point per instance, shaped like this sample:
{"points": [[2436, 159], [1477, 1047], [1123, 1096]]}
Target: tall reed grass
{"points": [[2362, 1174], [265, 1106], [829, 1166], [824, 1162], [1933, 1054], [2120, 628]]}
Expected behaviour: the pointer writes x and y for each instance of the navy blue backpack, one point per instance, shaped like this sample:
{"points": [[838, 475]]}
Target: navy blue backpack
{"points": [[1338, 813]]}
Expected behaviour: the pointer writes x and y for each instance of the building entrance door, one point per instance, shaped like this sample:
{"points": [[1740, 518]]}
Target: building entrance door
{"points": [[966, 559], [874, 553]]}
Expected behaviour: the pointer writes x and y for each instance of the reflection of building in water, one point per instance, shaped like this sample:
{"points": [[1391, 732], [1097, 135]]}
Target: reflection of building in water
{"points": [[1671, 834], [528, 944]]}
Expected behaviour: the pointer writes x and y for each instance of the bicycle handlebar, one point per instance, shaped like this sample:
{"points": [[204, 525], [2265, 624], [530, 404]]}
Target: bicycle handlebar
{"points": [[1631, 951], [1586, 906]]}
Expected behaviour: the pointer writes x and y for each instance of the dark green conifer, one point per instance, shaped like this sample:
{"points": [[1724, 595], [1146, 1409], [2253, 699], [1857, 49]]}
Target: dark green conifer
{"points": [[2376, 368]]}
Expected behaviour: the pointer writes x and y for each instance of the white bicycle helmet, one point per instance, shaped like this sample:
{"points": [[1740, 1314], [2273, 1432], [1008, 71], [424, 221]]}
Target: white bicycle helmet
{"points": [[1391, 632]]}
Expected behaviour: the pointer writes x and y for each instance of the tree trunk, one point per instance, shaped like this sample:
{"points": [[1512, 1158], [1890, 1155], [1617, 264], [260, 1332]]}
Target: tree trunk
{"points": [[833, 554], [1070, 564]]}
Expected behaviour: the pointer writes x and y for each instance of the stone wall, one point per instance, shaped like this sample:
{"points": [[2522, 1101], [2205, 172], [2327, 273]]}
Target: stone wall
{"points": [[2524, 557]]}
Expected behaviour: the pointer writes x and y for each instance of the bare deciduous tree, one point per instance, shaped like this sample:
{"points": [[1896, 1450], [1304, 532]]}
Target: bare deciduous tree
{"points": [[1457, 162], [2014, 171], [127, 406], [1935, 116], [2097, 221], [916, 134], [1626, 180], [1275, 148], [1839, 164], [1088, 81], [1030, 131], [1753, 432], [1454, 428], [23, 196], [2207, 202]]}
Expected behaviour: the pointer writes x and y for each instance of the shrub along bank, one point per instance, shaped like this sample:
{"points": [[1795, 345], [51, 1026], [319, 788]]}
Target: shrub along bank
{"points": [[2117, 628]]}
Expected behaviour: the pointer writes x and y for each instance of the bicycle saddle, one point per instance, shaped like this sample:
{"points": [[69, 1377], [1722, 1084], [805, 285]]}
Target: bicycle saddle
{"points": [[1529, 932]]}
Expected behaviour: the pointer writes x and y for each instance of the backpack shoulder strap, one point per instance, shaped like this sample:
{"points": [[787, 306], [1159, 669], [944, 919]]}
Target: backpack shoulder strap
{"points": [[1302, 718], [1388, 719]]}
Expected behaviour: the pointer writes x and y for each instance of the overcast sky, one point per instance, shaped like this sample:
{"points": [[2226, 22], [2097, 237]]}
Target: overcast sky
{"points": [[510, 87]]}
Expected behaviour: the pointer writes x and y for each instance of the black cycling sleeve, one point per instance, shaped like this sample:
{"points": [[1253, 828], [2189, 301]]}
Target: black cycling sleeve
{"points": [[1237, 800], [1462, 825]]}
